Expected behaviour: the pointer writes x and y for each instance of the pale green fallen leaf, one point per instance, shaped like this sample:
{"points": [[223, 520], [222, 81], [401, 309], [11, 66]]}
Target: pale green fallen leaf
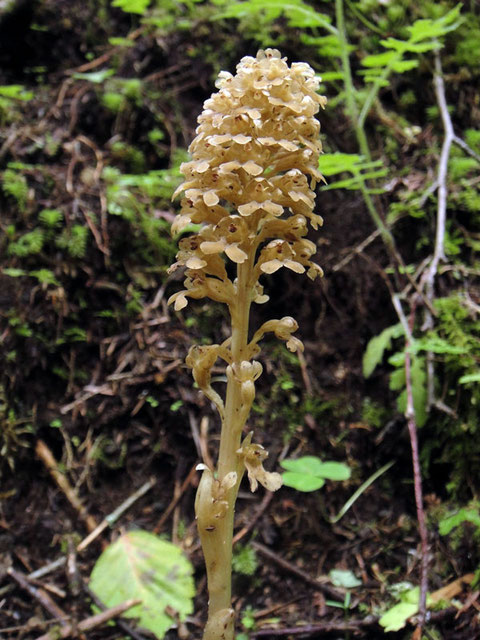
{"points": [[141, 565]]}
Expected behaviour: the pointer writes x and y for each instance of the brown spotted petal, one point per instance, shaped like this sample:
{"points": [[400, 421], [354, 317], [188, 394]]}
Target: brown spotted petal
{"points": [[277, 254], [251, 178]]}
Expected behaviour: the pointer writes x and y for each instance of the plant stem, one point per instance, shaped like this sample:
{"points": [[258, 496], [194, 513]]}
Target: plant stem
{"points": [[216, 534], [417, 474]]}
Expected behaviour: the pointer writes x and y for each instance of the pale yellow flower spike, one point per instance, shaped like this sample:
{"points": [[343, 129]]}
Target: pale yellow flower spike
{"points": [[250, 186]]}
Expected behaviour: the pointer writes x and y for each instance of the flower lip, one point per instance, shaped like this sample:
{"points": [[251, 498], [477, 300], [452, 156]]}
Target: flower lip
{"points": [[253, 456]]}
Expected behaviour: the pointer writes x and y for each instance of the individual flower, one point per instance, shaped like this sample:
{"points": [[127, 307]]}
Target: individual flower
{"points": [[253, 456], [283, 330]]}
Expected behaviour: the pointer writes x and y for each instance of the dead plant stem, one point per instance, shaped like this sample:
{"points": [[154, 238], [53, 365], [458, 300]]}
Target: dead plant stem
{"points": [[417, 476]]}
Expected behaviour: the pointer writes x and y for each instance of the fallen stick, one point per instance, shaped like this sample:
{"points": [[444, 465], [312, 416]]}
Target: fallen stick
{"points": [[110, 519], [291, 568], [315, 629], [90, 623], [39, 594], [121, 622], [61, 480]]}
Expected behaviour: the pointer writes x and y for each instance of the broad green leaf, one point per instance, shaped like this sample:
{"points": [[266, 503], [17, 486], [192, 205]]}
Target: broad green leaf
{"points": [[377, 347], [463, 515], [141, 565], [15, 92], [335, 471], [344, 578], [397, 379], [301, 481], [13, 272], [131, 6], [396, 618], [309, 473], [470, 377], [310, 465]]}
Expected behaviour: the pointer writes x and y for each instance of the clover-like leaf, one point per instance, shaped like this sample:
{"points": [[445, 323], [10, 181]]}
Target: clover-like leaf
{"points": [[309, 473], [344, 578]]}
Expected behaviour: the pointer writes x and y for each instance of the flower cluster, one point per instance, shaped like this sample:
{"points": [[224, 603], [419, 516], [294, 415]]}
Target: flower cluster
{"points": [[250, 186], [247, 185], [250, 189]]}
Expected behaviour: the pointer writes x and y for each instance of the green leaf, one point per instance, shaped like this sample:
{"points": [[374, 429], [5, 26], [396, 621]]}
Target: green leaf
{"points": [[330, 76], [97, 77], [435, 344], [45, 276], [404, 65], [298, 13], [15, 92], [344, 578], [302, 482], [13, 272], [463, 515], [121, 42], [333, 163], [470, 377], [28, 244], [309, 473], [141, 565], [377, 346], [405, 46], [131, 6], [429, 29], [379, 60], [396, 618], [335, 471], [50, 217]]}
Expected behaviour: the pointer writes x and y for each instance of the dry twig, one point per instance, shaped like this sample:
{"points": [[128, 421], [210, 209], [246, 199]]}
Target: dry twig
{"points": [[61, 480], [90, 623], [39, 594], [291, 568], [417, 474]]}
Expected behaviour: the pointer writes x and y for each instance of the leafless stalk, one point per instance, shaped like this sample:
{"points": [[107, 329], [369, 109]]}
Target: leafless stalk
{"points": [[417, 476]]}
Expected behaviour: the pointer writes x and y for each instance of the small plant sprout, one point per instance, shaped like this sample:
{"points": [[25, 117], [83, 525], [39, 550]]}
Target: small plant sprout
{"points": [[250, 185]]}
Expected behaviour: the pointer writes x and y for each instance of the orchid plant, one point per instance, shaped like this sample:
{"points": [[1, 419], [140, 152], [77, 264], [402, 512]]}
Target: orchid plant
{"points": [[250, 186]]}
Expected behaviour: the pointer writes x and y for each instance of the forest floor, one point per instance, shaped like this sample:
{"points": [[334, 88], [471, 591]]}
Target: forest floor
{"points": [[116, 434]]}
